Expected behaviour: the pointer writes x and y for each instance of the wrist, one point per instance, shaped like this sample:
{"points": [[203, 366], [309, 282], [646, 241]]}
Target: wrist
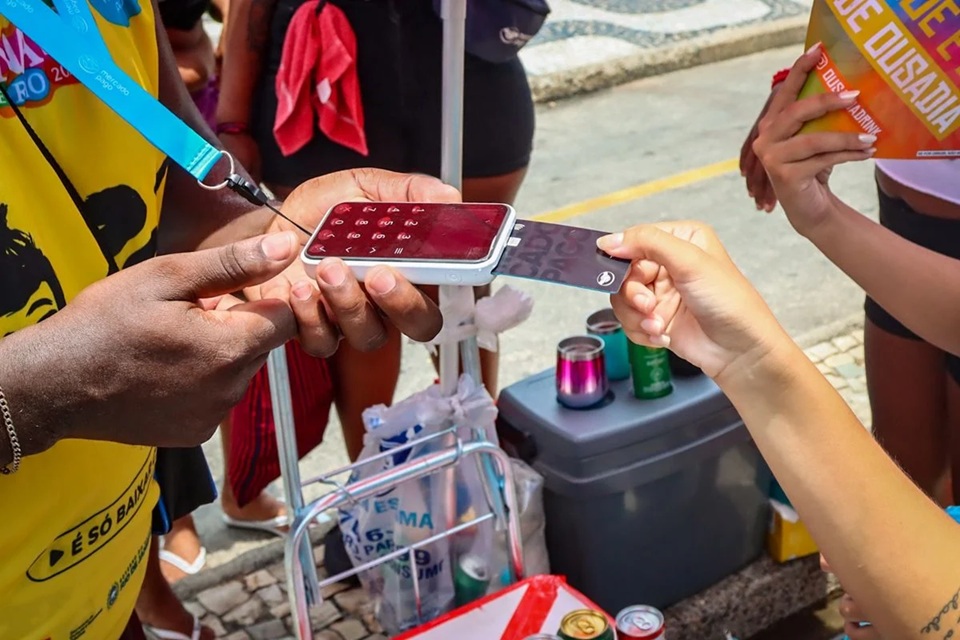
{"points": [[767, 368], [828, 224], [41, 406]]}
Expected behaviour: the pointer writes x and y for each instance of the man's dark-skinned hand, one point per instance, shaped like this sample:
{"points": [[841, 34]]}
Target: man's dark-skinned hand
{"points": [[155, 355]]}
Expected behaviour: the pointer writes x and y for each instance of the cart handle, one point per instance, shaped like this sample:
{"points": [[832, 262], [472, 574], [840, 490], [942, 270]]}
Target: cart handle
{"points": [[411, 470]]}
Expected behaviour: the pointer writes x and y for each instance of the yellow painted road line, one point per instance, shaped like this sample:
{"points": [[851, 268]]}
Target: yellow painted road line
{"points": [[650, 188]]}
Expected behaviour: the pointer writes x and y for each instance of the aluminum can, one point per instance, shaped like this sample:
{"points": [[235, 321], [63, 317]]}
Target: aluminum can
{"points": [[586, 624], [471, 579], [650, 368], [640, 622]]}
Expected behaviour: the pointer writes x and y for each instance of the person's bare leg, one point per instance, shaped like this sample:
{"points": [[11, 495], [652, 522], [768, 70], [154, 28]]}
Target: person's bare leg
{"points": [[905, 379], [263, 507], [362, 380], [158, 606], [949, 486], [182, 540]]}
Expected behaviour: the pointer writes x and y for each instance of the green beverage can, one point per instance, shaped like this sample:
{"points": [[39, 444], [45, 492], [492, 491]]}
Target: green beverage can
{"points": [[650, 369], [471, 579], [586, 624]]}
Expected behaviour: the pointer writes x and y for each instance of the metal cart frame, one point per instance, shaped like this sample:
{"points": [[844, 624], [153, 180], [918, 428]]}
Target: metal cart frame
{"points": [[304, 587]]}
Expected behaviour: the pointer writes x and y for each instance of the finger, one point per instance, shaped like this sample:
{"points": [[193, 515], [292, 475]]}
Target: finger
{"points": [[681, 258], [256, 328], [214, 272], [768, 196], [804, 147], [757, 183], [824, 565], [792, 118], [318, 336], [849, 610], [746, 151], [358, 320], [855, 632], [408, 308], [633, 324], [639, 296], [387, 186], [789, 89], [818, 164]]}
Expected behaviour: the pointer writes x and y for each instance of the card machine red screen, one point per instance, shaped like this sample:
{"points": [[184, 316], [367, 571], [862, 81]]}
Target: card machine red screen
{"points": [[403, 231]]}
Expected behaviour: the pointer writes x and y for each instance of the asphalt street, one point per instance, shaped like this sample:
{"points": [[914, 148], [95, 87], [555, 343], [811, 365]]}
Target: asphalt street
{"points": [[658, 149]]}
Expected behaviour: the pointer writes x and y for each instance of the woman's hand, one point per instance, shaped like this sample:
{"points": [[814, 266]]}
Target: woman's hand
{"points": [[799, 165], [854, 621], [758, 183], [685, 293]]}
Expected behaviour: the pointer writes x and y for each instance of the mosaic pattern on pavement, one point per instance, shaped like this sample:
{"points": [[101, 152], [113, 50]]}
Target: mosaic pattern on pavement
{"points": [[580, 32]]}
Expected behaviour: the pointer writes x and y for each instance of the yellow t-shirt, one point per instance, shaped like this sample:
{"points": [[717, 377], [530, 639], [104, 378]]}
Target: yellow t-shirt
{"points": [[76, 519]]}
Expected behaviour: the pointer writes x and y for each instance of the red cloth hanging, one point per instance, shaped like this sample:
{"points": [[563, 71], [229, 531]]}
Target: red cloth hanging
{"points": [[318, 80]]}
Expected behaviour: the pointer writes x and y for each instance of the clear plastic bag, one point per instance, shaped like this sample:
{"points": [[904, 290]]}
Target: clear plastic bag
{"points": [[450, 570]]}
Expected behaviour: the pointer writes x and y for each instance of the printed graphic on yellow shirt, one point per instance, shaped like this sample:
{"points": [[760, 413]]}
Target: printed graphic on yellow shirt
{"points": [[31, 291], [78, 515]]}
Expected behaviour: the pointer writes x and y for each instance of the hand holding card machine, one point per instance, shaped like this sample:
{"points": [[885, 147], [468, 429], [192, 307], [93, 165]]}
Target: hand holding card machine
{"points": [[461, 244], [437, 244]]}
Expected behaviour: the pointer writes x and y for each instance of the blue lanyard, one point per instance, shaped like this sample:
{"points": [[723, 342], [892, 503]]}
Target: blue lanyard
{"points": [[74, 41]]}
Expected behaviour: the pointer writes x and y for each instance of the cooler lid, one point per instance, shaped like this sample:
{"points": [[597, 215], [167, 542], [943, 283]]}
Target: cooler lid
{"points": [[531, 407]]}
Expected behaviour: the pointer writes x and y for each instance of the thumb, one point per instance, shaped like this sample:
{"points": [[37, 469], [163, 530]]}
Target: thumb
{"points": [[682, 259], [226, 269]]}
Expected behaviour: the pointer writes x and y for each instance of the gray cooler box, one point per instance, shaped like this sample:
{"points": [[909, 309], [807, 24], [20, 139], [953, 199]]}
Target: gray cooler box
{"points": [[647, 501]]}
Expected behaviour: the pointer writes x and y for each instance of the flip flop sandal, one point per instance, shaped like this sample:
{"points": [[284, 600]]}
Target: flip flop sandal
{"points": [[276, 525], [166, 634], [189, 568]]}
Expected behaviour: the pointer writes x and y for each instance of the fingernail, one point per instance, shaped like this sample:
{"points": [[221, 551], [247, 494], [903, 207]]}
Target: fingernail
{"points": [[382, 283], [333, 272], [642, 301], [610, 242], [849, 95], [662, 340], [815, 46], [302, 290], [867, 138], [276, 246], [652, 326], [870, 151]]}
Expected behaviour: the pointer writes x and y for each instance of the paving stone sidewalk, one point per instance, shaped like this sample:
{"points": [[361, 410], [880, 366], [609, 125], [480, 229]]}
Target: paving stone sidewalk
{"points": [[255, 606]]}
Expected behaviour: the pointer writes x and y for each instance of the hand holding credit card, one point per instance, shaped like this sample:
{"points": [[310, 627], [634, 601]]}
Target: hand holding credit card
{"points": [[561, 254], [461, 244]]}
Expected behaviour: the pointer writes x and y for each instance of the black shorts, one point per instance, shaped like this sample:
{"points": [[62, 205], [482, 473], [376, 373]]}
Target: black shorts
{"points": [[185, 484], [938, 234], [399, 47]]}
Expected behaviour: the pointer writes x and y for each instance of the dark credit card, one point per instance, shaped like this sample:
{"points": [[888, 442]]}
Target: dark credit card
{"points": [[561, 254]]}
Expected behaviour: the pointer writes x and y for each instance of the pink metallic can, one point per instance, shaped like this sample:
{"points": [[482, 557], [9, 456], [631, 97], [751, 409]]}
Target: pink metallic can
{"points": [[581, 372]]}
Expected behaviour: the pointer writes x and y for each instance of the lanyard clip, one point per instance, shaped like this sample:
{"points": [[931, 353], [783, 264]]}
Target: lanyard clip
{"points": [[247, 189]]}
